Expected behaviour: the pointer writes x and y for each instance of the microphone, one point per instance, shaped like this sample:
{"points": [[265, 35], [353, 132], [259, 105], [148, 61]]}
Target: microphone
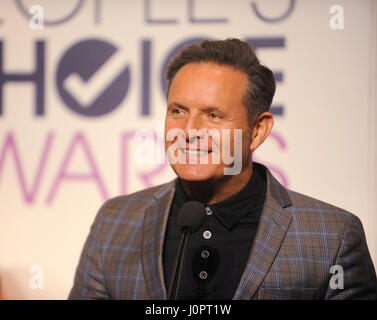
{"points": [[190, 218]]}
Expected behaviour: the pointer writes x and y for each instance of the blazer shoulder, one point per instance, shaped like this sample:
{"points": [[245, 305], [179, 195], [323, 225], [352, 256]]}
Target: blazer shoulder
{"points": [[311, 209], [134, 202]]}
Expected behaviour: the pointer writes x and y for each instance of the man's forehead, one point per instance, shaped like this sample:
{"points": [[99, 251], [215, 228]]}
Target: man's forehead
{"points": [[213, 67], [209, 76]]}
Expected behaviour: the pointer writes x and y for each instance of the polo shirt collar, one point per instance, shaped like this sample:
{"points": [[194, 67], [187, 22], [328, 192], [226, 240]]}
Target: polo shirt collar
{"points": [[230, 211]]}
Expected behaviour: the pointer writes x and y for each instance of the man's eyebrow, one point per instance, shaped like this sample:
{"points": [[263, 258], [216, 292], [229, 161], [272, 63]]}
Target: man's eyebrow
{"points": [[211, 109], [205, 108], [176, 104]]}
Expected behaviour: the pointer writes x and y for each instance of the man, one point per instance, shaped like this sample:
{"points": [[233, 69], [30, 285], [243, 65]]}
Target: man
{"points": [[259, 240]]}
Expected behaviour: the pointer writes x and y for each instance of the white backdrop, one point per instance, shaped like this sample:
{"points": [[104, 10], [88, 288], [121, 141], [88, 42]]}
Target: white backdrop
{"points": [[67, 145]]}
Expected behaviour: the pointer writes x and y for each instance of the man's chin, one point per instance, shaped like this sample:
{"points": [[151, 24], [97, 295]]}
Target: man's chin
{"points": [[194, 175], [194, 179]]}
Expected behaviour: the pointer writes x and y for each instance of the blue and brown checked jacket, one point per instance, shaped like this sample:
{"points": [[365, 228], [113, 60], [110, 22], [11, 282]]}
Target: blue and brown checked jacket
{"points": [[298, 240]]}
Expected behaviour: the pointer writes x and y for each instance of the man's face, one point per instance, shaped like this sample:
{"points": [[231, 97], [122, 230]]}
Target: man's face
{"points": [[206, 96]]}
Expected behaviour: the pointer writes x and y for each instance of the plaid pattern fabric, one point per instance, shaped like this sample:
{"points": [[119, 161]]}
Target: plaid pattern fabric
{"points": [[297, 242]]}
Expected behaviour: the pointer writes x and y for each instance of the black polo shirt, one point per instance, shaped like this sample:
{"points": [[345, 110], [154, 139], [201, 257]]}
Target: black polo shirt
{"points": [[217, 253]]}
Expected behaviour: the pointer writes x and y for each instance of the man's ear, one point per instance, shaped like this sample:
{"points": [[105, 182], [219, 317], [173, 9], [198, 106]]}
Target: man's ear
{"points": [[261, 129]]}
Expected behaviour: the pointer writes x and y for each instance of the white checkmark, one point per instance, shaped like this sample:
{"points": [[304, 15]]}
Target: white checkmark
{"points": [[86, 92]]}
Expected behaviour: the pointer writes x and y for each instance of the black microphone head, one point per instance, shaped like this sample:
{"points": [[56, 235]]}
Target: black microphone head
{"points": [[191, 215]]}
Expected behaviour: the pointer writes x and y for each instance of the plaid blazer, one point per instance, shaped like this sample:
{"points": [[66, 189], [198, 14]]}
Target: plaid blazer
{"points": [[298, 240]]}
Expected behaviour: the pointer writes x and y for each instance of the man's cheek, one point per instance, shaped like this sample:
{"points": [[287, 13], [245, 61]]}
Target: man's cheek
{"points": [[174, 139], [235, 145], [215, 137]]}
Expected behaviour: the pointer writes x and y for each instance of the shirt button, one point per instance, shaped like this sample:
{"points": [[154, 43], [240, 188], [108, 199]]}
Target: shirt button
{"points": [[208, 211], [204, 254], [203, 275], [207, 234]]}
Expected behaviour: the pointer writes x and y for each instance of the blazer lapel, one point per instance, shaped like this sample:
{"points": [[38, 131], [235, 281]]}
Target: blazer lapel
{"points": [[154, 226], [272, 228]]}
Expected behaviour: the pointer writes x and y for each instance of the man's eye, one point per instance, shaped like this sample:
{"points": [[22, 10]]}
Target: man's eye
{"points": [[214, 115], [176, 111]]}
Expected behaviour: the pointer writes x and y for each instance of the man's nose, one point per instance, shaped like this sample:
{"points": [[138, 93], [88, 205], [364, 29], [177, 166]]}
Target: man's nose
{"points": [[192, 129]]}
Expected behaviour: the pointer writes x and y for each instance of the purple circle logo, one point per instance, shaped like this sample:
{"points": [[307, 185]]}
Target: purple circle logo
{"points": [[93, 77]]}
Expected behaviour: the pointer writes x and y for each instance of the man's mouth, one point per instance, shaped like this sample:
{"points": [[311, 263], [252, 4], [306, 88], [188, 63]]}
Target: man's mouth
{"points": [[194, 152]]}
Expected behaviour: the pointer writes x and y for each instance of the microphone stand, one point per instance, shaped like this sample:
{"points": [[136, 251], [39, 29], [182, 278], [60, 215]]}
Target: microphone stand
{"points": [[174, 285]]}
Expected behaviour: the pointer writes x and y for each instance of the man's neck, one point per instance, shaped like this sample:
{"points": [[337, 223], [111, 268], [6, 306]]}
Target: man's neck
{"points": [[212, 191]]}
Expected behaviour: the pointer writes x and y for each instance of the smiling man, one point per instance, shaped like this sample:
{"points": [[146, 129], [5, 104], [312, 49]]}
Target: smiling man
{"points": [[209, 96], [258, 240]]}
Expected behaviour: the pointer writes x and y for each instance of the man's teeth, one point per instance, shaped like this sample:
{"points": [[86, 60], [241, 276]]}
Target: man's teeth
{"points": [[194, 152]]}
